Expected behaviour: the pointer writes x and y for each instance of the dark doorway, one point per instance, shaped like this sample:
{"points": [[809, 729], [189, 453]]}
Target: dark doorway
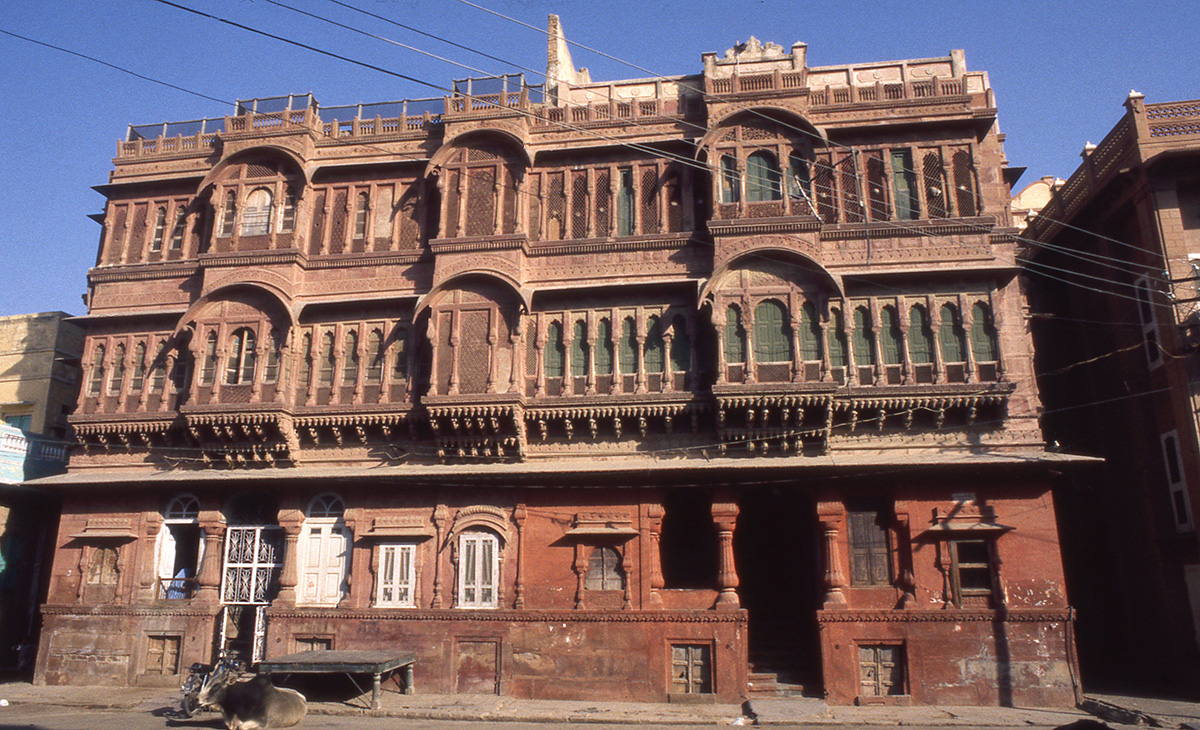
{"points": [[775, 546]]}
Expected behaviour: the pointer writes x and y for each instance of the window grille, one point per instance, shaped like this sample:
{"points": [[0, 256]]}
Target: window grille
{"points": [[649, 213], [137, 233], [397, 576], [951, 336], [208, 370], [473, 351], [508, 217], [287, 222], [102, 568], [375, 354], [799, 185], [628, 349], [603, 204], [317, 237], [113, 244], [531, 348], [770, 333], [556, 208], [579, 204], [361, 212], [889, 341], [851, 202], [256, 219], [535, 208], [625, 203], [271, 369], [673, 192], [731, 185], [823, 184], [877, 203], [970, 569], [253, 560], [836, 339], [604, 571], [964, 183], [410, 227], [337, 226], [481, 201], [935, 184], [400, 368], [306, 360]]}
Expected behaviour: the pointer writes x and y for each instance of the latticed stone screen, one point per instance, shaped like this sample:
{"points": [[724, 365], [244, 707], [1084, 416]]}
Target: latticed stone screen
{"points": [[935, 184], [579, 204], [318, 225], [650, 217], [444, 352], [823, 188], [473, 360], [876, 183], [337, 224], [603, 203], [964, 183], [481, 201]]}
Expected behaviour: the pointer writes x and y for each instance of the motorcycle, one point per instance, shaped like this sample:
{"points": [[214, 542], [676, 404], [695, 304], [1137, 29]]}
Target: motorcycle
{"points": [[200, 674]]}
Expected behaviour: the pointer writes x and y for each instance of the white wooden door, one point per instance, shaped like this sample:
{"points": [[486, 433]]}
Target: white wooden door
{"points": [[325, 558]]}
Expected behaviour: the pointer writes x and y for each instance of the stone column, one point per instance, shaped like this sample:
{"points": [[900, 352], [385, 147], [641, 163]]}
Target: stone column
{"points": [[651, 531], [831, 517], [724, 515], [580, 567], [208, 582], [440, 517], [590, 356], [519, 515], [291, 521], [719, 324], [148, 579]]}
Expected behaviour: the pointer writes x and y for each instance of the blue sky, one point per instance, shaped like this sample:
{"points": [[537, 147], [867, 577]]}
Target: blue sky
{"points": [[1060, 71]]}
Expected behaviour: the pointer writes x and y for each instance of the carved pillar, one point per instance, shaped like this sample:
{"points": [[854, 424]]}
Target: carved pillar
{"points": [[750, 376], [724, 514], [291, 521], [905, 354], [314, 364], [824, 328], [590, 356], [492, 354], [168, 381], [339, 364], [440, 516], [539, 341], [966, 312], [651, 531], [668, 378], [639, 339], [208, 582], [797, 362], [460, 229], [906, 581], [364, 357], [935, 328], [147, 579], [285, 374], [498, 195], [719, 322], [196, 346], [831, 517], [568, 377], [514, 339], [261, 346], [580, 566], [519, 515], [627, 568]]}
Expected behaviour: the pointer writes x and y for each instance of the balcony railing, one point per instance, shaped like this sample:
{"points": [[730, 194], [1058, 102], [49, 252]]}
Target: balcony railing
{"points": [[175, 589]]}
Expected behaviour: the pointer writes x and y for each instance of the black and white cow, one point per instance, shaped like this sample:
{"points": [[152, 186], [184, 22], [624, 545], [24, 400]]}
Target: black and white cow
{"points": [[253, 704]]}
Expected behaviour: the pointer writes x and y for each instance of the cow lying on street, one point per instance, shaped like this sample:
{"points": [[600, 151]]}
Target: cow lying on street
{"points": [[253, 704]]}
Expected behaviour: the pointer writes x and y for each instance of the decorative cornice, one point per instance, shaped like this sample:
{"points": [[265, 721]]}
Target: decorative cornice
{"points": [[979, 226], [507, 242], [266, 257], [142, 272], [512, 616], [602, 245], [355, 260], [184, 609], [745, 227], [942, 616]]}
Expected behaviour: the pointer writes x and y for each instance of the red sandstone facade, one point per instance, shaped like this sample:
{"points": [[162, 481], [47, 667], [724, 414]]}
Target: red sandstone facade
{"points": [[712, 384]]}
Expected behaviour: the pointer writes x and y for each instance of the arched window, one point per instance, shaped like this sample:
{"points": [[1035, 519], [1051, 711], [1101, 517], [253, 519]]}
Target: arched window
{"points": [[160, 226], [350, 365], [376, 354], [228, 214], [274, 346], [604, 571], [256, 219], [400, 368], [138, 381], [628, 352], [241, 358], [117, 381], [478, 569], [287, 221], [983, 334], [208, 369], [681, 345], [326, 376], [178, 230], [96, 383], [731, 185], [951, 337], [654, 345], [836, 339], [579, 352], [306, 360], [178, 549], [324, 552], [604, 347], [763, 181], [920, 336], [889, 336], [864, 347], [552, 360], [770, 333], [360, 217], [810, 333], [735, 337]]}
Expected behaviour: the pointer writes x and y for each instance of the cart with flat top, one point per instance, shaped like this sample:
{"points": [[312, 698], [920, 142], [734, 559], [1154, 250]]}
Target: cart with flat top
{"points": [[377, 663]]}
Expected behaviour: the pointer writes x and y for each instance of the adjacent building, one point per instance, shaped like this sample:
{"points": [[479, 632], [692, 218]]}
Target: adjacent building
{"points": [[39, 384], [1115, 250], [712, 384]]}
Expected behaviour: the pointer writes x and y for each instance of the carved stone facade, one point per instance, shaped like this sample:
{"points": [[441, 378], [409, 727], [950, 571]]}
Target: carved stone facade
{"points": [[616, 389]]}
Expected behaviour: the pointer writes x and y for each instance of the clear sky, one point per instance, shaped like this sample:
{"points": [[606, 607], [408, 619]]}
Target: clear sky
{"points": [[1060, 71]]}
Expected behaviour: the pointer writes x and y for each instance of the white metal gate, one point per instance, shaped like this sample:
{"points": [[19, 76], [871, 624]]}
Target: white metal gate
{"points": [[253, 561]]}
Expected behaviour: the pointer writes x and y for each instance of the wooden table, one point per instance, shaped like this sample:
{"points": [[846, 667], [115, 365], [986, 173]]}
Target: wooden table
{"points": [[374, 662]]}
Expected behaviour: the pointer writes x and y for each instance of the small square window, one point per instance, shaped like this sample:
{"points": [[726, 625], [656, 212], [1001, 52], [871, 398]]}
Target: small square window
{"points": [[396, 580], [971, 570]]}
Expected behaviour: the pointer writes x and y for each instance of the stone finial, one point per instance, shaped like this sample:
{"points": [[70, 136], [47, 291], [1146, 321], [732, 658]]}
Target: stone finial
{"points": [[1135, 94], [1088, 149], [754, 50]]}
